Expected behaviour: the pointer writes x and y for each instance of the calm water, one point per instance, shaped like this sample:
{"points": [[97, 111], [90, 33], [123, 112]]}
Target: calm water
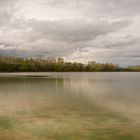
{"points": [[70, 106]]}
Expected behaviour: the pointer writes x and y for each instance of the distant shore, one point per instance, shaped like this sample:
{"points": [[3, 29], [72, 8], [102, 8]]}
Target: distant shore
{"points": [[16, 64]]}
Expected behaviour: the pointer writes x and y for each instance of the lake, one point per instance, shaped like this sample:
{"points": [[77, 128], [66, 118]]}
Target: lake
{"points": [[70, 106]]}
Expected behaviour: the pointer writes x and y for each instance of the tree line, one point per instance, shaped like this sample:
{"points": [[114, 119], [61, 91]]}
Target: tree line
{"points": [[15, 64]]}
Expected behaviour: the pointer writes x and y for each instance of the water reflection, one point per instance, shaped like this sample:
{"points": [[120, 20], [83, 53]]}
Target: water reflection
{"points": [[61, 94], [114, 91]]}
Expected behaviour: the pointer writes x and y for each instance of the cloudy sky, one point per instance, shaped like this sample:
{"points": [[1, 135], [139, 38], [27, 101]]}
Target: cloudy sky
{"points": [[79, 30]]}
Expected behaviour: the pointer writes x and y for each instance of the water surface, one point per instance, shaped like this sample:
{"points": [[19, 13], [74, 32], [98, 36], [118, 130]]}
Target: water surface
{"points": [[70, 106]]}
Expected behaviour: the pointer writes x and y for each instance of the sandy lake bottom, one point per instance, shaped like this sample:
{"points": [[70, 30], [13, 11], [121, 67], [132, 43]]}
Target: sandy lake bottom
{"points": [[70, 106]]}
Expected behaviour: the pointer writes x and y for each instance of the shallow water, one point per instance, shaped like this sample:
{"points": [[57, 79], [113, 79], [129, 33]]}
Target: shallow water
{"points": [[70, 106]]}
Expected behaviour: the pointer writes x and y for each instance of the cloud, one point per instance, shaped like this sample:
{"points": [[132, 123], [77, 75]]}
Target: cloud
{"points": [[119, 8], [102, 8], [7, 9], [79, 30]]}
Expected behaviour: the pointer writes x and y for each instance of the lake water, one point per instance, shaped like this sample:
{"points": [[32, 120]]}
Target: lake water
{"points": [[70, 106]]}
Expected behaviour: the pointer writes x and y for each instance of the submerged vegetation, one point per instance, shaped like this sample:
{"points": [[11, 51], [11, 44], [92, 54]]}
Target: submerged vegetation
{"points": [[14, 64], [56, 110]]}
